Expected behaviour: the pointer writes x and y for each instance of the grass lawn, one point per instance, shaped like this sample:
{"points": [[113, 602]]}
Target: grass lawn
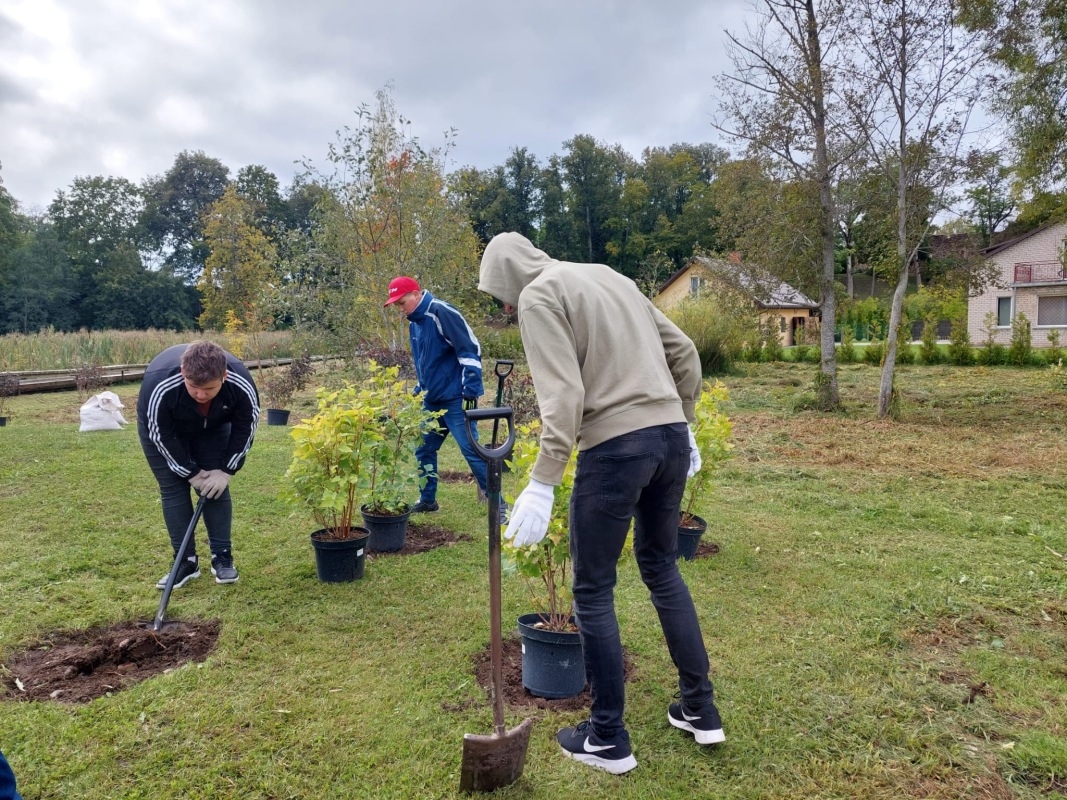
{"points": [[887, 616]]}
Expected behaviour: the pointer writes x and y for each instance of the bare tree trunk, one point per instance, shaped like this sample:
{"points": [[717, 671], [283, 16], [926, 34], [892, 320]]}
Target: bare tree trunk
{"points": [[849, 285], [826, 385], [885, 387], [589, 231]]}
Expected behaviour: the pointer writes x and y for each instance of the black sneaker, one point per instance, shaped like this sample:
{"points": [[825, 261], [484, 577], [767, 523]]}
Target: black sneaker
{"points": [[705, 724], [187, 570], [581, 744], [424, 507], [222, 567]]}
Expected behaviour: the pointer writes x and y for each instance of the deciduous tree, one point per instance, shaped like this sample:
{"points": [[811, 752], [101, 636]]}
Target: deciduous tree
{"points": [[923, 68], [176, 205], [1028, 39], [239, 274], [388, 212], [785, 101]]}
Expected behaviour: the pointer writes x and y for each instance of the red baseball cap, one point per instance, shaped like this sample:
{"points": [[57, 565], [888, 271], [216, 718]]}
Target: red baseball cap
{"points": [[398, 287]]}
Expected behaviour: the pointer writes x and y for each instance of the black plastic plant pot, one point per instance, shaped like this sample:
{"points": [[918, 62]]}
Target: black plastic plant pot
{"points": [[689, 538], [552, 662], [340, 560]]}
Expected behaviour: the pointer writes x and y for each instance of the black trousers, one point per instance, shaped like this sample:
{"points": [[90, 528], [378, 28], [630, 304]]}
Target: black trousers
{"points": [[208, 448]]}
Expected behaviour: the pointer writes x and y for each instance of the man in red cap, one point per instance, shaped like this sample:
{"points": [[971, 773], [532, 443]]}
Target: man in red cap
{"points": [[448, 368]]}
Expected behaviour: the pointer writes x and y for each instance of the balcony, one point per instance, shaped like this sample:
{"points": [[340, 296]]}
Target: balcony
{"points": [[1040, 272]]}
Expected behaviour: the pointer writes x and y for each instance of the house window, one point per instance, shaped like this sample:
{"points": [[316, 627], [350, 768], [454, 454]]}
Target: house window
{"points": [[1052, 310], [696, 283], [1004, 312]]}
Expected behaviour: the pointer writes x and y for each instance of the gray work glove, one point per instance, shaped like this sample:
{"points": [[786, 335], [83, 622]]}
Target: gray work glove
{"points": [[197, 481], [215, 484]]}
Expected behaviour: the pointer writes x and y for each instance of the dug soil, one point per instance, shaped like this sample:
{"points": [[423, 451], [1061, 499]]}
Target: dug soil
{"points": [[80, 666], [515, 694], [421, 537]]}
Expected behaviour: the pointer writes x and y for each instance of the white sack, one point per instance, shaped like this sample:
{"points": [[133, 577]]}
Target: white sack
{"points": [[101, 413]]}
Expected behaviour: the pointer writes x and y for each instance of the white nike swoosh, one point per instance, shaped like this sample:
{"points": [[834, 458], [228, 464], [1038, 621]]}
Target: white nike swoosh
{"points": [[595, 748], [688, 718]]}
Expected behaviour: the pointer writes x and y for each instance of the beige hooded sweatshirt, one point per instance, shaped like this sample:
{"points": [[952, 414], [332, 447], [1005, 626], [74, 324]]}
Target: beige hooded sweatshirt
{"points": [[604, 360]]}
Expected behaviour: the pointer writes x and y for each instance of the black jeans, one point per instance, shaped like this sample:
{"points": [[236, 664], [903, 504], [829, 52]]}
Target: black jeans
{"points": [[640, 476], [208, 448]]}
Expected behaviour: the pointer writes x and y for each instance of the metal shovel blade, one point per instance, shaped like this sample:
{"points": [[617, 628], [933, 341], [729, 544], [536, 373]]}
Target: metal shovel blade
{"points": [[490, 762]]}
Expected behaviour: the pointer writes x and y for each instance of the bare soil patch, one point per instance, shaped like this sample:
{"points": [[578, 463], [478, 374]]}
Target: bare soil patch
{"points": [[454, 476], [79, 666], [706, 549], [515, 694], [422, 537]]}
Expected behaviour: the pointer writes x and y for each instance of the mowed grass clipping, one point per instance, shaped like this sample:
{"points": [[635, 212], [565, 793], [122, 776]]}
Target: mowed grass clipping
{"points": [[887, 616]]}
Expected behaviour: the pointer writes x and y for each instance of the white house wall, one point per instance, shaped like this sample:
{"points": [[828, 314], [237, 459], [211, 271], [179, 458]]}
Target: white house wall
{"points": [[1046, 245]]}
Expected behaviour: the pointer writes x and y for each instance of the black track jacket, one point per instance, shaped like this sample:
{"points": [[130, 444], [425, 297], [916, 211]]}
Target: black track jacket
{"points": [[167, 414]]}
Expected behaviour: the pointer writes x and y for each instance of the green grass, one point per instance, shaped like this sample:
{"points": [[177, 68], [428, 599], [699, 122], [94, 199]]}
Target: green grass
{"points": [[874, 578]]}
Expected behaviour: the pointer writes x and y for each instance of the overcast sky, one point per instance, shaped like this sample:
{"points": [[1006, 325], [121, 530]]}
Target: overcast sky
{"points": [[120, 87]]}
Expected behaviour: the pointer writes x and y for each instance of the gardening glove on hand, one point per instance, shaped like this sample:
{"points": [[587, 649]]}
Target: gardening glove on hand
{"points": [[197, 481], [694, 456], [469, 403], [530, 514], [215, 484]]}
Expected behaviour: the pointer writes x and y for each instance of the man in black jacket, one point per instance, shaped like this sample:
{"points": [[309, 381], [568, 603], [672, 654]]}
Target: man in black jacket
{"points": [[197, 413]]}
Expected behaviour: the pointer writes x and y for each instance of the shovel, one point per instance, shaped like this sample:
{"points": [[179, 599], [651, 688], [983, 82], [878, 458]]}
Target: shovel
{"points": [[490, 762], [158, 624], [503, 369]]}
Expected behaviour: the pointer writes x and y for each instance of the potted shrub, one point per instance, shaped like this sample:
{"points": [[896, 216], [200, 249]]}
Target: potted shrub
{"points": [[391, 468], [324, 478], [357, 453], [280, 385], [711, 429], [9, 387], [552, 663]]}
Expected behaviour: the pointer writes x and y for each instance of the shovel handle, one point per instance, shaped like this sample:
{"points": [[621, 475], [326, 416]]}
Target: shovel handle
{"points": [[503, 369], [494, 458], [157, 624], [495, 453]]}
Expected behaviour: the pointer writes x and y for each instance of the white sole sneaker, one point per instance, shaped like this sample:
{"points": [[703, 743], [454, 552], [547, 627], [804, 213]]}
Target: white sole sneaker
{"points": [[703, 737]]}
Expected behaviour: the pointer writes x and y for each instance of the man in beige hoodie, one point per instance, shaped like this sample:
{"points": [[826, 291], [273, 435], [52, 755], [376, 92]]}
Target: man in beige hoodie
{"points": [[618, 379]]}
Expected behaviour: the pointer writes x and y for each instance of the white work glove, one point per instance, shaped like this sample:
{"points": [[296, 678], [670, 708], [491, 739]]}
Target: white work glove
{"points": [[694, 456], [215, 484], [197, 481], [528, 523]]}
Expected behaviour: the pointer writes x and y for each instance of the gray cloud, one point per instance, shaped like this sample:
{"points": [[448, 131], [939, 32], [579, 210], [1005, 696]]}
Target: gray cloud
{"points": [[117, 88]]}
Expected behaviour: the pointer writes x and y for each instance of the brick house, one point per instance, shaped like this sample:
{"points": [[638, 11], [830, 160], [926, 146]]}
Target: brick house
{"points": [[776, 301], [1031, 279]]}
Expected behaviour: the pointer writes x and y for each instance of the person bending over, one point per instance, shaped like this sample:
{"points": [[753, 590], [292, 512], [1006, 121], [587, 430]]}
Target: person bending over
{"points": [[197, 413]]}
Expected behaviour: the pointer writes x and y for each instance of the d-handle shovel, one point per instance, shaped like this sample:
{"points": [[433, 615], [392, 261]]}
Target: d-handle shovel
{"points": [[503, 369], [158, 624], [490, 762]]}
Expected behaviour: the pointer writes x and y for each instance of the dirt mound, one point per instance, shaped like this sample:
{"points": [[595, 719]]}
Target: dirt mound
{"points": [[80, 666], [421, 537], [515, 694]]}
